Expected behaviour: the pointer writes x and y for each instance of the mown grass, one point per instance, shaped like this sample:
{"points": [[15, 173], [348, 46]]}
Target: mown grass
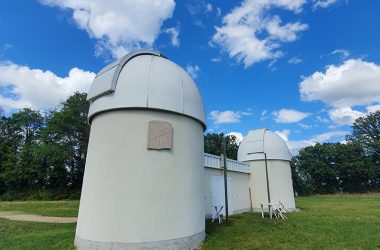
{"points": [[67, 208], [37, 236], [324, 222]]}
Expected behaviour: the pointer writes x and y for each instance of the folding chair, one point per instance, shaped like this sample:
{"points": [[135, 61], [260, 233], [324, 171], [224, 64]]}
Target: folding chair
{"points": [[283, 207], [278, 210], [218, 215]]}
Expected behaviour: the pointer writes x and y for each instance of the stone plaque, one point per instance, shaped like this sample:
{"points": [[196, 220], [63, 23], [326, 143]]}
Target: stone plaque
{"points": [[160, 135]]}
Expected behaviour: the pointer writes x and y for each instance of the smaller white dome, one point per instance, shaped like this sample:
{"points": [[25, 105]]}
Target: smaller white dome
{"points": [[261, 141], [145, 79]]}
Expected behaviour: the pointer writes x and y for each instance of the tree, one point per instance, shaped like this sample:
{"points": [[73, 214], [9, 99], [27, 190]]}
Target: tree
{"points": [[316, 165], [44, 151], [21, 136], [65, 143], [355, 170], [213, 145], [332, 167], [366, 131], [2, 151], [301, 180]]}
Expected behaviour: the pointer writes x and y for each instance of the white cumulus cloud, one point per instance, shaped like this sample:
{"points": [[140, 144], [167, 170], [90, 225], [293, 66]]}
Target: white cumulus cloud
{"points": [[218, 11], [323, 4], [198, 10], [297, 145], [250, 34], [119, 26], [373, 108], [193, 70], [344, 54], [208, 7], [289, 116], [174, 33], [39, 89], [328, 135], [355, 82], [228, 116], [264, 115], [294, 60], [344, 115]]}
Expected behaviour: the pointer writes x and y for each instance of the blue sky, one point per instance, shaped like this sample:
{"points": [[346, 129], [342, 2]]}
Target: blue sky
{"points": [[303, 68]]}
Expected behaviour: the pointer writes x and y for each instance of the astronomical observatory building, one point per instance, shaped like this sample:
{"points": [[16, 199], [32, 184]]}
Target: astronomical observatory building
{"points": [[269, 159], [261, 175], [143, 180], [148, 183]]}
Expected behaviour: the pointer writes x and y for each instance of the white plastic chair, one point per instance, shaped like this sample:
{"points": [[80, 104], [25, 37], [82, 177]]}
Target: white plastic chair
{"points": [[218, 216], [283, 207], [279, 210]]}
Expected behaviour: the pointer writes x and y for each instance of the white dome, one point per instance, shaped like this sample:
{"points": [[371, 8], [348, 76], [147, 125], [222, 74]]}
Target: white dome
{"points": [[261, 141], [145, 79]]}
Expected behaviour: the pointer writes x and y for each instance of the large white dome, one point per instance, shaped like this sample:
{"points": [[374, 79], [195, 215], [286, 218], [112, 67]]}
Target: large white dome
{"points": [[145, 79], [261, 141]]}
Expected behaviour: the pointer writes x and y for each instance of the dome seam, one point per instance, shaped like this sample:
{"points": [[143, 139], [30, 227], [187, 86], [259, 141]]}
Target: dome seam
{"points": [[149, 81], [183, 90]]}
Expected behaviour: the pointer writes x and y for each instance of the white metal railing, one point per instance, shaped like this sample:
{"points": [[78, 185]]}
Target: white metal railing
{"points": [[213, 161]]}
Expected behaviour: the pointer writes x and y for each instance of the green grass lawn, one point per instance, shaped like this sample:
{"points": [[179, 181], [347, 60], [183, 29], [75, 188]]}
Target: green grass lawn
{"points": [[37, 236], [325, 222], [67, 208]]}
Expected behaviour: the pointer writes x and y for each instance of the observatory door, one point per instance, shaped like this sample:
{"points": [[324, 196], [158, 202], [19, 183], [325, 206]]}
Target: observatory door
{"points": [[217, 193]]}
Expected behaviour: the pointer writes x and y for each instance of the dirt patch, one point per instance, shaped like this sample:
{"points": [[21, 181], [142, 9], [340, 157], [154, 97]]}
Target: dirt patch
{"points": [[37, 218]]}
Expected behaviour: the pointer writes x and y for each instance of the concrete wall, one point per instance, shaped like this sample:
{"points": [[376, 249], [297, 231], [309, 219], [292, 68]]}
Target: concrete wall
{"points": [[141, 197], [240, 195], [280, 183]]}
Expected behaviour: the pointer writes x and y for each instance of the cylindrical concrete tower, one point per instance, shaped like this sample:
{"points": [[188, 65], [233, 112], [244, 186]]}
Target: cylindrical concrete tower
{"points": [[143, 181], [258, 145]]}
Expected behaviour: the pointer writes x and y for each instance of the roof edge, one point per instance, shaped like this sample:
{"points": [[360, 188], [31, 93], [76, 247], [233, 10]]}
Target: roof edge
{"points": [[92, 115]]}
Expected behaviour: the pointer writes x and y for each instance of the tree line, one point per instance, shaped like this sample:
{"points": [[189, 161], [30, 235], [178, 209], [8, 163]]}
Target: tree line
{"points": [[353, 166], [43, 154]]}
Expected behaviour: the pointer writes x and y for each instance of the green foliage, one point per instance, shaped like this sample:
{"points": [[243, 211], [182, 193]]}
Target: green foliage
{"points": [[332, 167], [65, 143], [350, 167], [213, 145], [40, 152], [316, 168], [300, 184], [3, 150], [366, 131], [40, 194], [21, 135]]}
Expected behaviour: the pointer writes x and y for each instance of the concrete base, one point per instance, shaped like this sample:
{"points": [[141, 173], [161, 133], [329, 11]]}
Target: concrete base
{"points": [[243, 210], [191, 242]]}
